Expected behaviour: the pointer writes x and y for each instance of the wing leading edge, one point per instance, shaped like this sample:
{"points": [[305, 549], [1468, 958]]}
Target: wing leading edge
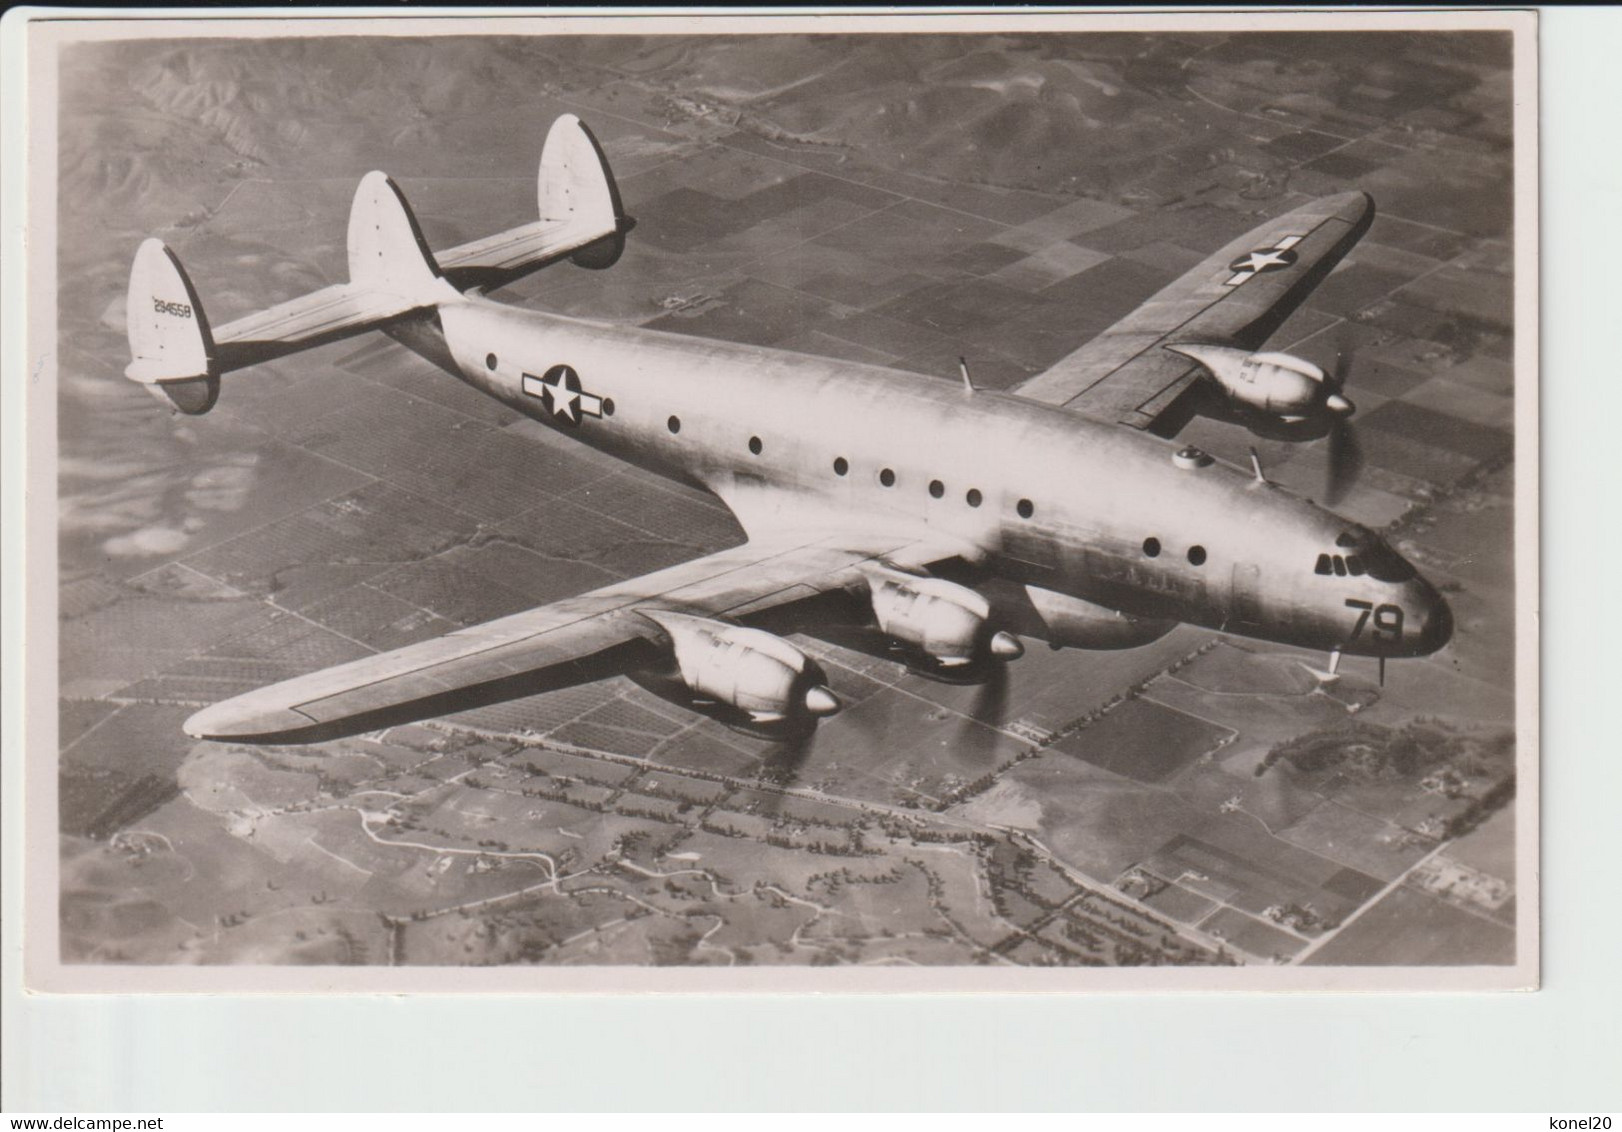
{"points": [[1238, 296], [574, 641]]}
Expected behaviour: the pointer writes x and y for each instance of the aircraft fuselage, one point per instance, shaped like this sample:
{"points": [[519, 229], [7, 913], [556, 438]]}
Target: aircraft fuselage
{"points": [[1039, 495]]}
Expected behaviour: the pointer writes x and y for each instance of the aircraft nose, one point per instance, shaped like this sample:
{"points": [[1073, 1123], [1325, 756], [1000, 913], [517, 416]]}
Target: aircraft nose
{"points": [[1436, 622]]}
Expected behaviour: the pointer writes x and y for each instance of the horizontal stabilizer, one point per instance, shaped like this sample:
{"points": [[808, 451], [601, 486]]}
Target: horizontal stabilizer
{"points": [[392, 273], [580, 217]]}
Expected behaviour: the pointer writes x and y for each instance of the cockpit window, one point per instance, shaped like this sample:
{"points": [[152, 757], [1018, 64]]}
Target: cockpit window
{"points": [[1323, 565], [1372, 557], [1340, 566], [1386, 565]]}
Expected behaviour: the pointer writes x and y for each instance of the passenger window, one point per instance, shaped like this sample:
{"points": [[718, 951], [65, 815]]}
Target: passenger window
{"points": [[841, 465], [489, 361], [936, 488], [1323, 566], [887, 478], [974, 497], [674, 424], [755, 445], [1026, 509], [1151, 547], [1196, 555]]}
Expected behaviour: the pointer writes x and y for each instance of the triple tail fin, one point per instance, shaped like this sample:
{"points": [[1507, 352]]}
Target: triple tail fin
{"points": [[392, 273]]}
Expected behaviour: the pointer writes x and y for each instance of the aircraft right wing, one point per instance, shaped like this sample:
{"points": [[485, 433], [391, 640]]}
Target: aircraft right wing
{"points": [[1238, 296], [569, 642]]}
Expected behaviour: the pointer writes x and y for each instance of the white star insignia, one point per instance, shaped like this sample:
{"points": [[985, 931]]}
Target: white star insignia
{"points": [[1262, 259], [560, 393]]}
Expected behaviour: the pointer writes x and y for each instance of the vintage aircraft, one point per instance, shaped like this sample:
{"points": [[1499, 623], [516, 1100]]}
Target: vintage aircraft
{"points": [[946, 517]]}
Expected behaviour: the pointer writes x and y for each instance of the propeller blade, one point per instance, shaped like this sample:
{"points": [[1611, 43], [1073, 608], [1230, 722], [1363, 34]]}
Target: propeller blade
{"points": [[782, 762], [1345, 460], [1343, 364], [991, 698], [971, 743], [1345, 453]]}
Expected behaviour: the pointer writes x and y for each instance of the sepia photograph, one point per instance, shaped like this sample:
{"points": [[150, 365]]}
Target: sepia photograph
{"points": [[906, 504]]}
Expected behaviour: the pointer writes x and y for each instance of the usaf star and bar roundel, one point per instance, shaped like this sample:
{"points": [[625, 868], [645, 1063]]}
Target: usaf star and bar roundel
{"points": [[1251, 264], [562, 396]]}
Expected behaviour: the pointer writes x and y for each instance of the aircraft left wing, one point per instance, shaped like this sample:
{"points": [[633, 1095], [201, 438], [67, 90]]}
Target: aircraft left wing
{"points": [[573, 641], [1238, 296]]}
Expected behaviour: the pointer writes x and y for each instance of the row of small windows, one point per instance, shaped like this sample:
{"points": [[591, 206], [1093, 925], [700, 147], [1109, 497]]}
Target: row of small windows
{"points": [[1340, 567], [937, 489], [1196, 553], [1025, 508]]}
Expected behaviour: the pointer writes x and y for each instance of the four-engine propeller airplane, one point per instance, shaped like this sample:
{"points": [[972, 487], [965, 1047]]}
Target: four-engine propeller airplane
{"points": [[952, 519]]}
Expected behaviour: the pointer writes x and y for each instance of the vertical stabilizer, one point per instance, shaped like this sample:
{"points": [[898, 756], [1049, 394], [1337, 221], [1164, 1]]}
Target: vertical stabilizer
{"points": [[577, 188], [387, 252], [171, 349]]}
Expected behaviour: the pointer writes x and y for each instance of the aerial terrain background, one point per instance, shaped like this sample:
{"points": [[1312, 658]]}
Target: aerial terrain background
{"points": [[890, 199]]}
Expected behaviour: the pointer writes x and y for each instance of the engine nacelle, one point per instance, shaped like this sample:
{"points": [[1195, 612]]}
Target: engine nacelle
{"points": [[1073, 623], [944, 620], [1280, 384], [748, 669]]}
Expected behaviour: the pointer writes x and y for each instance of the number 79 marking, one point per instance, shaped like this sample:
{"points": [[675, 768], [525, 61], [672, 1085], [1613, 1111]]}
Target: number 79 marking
{"points": [[1387, 620]]}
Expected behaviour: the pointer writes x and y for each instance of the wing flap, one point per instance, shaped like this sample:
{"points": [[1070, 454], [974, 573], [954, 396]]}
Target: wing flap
{"points": [[1239, 295]]}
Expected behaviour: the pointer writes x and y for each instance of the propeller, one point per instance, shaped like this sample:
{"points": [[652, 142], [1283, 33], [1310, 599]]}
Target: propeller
{"points": [[783, 760], [972, 744], [991, 698], [1345, 452]]}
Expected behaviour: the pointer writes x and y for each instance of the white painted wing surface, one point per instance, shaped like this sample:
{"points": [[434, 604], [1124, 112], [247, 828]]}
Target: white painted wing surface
{"points": [[1237, 296], [573, 641]]}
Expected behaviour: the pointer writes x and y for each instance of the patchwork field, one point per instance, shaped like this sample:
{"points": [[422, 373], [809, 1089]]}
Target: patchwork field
{"points": [[902, 201]]}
